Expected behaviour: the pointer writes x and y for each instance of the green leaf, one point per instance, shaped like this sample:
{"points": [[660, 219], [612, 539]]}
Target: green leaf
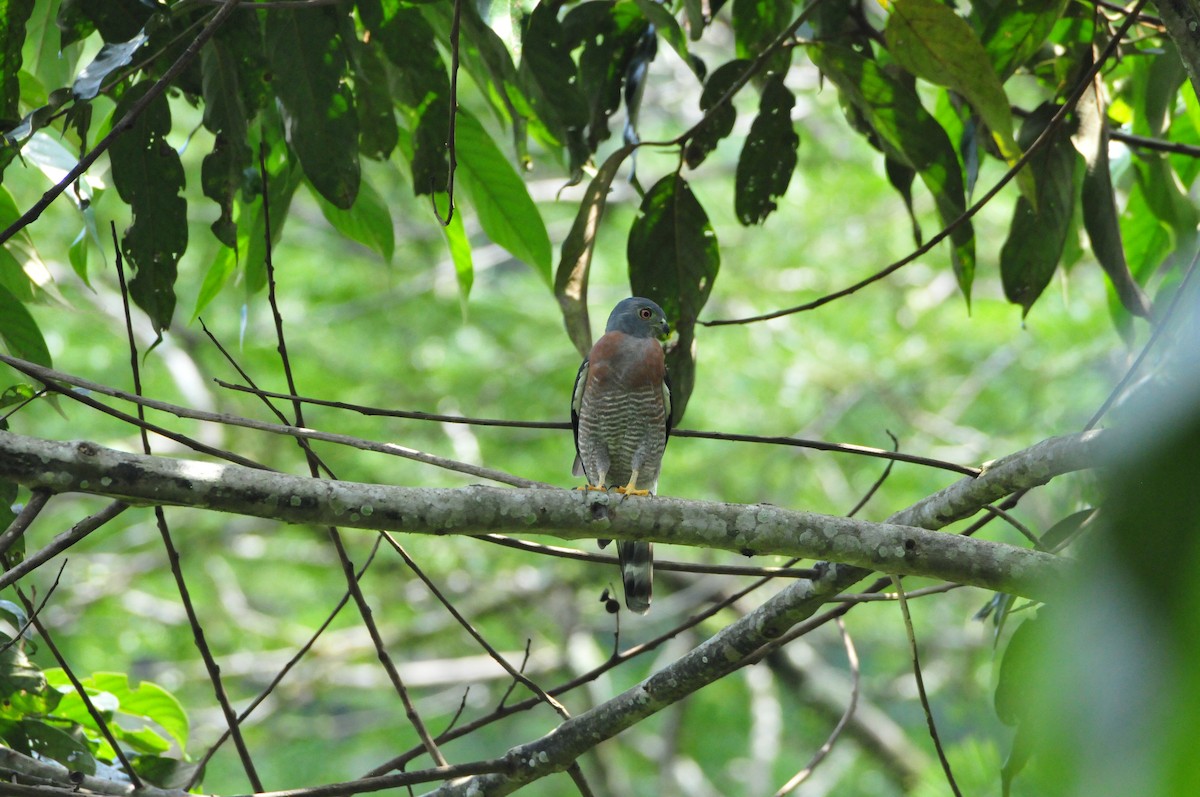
{"points": [[1037, 234], [574, 265], [368, 220], [1016, 29], [376, 107], [19, 332], [719, 123], [768, 156], [110, 58], [901, 176], [1099, 204], [47, 741], [459, 246], [909, 134], [422, 88], [166, 773], [18, 673], [149, 176], [551, 80], [936, 44], [232, 72], [146, 701], [674, 259], [116, 20], [757, 23], [609, 34], [308, 60], [14, 15], [8, 490], [506, 211], [667, 27]]}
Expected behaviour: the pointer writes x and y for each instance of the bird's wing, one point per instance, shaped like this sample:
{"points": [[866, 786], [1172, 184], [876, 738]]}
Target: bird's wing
{"points": [[666, 390], [576, 402]]}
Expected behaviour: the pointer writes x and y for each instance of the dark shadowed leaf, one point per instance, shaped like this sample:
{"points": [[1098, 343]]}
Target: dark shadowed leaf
{"points": [[1036, 236], [8, 490], [422, 87], [552, 83], [674, 259], [166, 773], [72, 23], [378, 132], [19, 332], [14, 14], [1015, 29], [757, 23], [1099, 204], [506, 212], [571, 277], [901, 176], [719, 123], [934, 43], [149, 177], [47, 741], [116, 20], [307, 59], [609, 34], [909, 134], [668, 28], [768, 156]]}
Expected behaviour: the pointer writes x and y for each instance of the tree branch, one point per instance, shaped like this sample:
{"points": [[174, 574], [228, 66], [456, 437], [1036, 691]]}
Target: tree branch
{"points": [[750, 530]]}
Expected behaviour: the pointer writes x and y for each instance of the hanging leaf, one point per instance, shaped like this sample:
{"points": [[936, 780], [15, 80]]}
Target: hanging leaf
{"points": [[459, 246], [934, 43], [368, 220], [14, 15], [768, 156], [666, 26], [19, 332], [110, 58], [1037, 233], [423, 89], [552, 83], [757, 23], [717, 124], [116, 20], [307, 59], [901, 176], [674, 259], [609, 34], [149, 177], [1099, 204], [571, 277], [909, 134]]}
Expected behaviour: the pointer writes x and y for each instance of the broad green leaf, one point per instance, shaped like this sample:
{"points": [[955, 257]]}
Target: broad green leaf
{"points": [[73, 24], [378, 131], [719, 123], [14, 15], [13, 277], [19, 332], [674, 259], [667, 27], [901, 176], [459, 246], [18, 674], [1147, 239], [307, 57], [1016, 29], [571, 277], [422, 88], [1164, 194], [146, 701], [768, 156], [908, 134], [149, 176], [116, 20], [8, 490], [757, 23], [936, 44], [1037, 233], [47, 741], [110, 58], [506, 212], [1099, 204], [368, 220], [503, 17], [15, 394], [166, 773]]}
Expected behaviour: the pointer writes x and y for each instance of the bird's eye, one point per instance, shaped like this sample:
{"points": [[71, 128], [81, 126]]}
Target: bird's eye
{"points": [[644, 312]]}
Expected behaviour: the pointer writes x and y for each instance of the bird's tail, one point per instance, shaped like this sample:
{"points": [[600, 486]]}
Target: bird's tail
{"points": [[637, 572]]}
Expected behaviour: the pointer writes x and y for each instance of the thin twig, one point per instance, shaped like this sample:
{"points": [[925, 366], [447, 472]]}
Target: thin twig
{"points": [[33, 507], [335, 536], [916, 662], [164, 531], [823, 751], [61, 543], [1038, 143], [1016, 524], [20, 632]]}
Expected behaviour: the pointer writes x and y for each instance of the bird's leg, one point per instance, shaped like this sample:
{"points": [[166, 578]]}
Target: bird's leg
{"points": [[598, 487], [630, 489]]}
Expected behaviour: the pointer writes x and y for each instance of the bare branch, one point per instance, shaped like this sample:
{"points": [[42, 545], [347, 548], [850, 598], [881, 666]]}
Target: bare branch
{"points": [[33, 507]]}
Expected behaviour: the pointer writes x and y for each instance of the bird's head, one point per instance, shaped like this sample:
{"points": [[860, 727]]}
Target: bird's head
{"points": [[640, 318]]}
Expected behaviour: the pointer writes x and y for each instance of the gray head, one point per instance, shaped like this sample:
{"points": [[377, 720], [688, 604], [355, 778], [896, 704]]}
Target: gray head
{"points": [[638, 317]]}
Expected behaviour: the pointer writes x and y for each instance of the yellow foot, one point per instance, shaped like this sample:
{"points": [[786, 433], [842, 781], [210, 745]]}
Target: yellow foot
{"points": [[629, 489], [593, 488]]}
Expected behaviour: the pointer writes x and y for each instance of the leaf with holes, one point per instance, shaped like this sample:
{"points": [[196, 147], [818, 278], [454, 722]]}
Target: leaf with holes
{"points": [[717, 122], [768, 156], [674, 259]]}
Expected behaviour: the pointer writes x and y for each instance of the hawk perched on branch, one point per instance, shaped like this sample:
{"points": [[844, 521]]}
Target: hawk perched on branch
{"points": [[621, 414]]}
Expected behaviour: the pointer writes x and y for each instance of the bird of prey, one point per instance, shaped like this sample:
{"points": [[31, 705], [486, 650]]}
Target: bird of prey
{"points": [[621, 414]]}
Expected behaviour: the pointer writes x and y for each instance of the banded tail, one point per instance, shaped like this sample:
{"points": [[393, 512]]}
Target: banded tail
{"points": [[637, 573]]}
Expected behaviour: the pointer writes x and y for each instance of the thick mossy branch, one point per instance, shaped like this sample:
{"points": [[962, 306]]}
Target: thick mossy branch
{"points": [[747, 529]]}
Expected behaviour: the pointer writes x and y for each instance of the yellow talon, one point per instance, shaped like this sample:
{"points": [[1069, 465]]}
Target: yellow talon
{"points": [[629, 489], [591, 488]]}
